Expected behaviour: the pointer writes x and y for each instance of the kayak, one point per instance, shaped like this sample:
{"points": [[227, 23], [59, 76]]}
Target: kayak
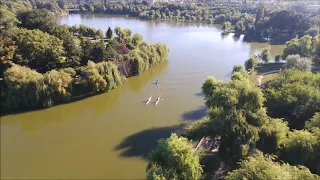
{"points": [[149, 99]]}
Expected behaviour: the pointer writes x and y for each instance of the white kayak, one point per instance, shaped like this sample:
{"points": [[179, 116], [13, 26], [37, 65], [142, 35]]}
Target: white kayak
{"points": [[149, 99], [157, 100]]}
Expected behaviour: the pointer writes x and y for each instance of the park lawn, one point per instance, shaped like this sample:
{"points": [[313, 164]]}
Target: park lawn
{"points": [[263, 68], [77, 40]]}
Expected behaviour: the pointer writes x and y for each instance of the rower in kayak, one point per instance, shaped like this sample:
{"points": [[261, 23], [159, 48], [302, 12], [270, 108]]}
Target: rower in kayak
{"points": [[158, 100], [156, 82], [149, 99]]}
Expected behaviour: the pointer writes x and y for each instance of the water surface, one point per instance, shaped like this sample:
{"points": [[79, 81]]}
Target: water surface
{"points": [[108, 136]]}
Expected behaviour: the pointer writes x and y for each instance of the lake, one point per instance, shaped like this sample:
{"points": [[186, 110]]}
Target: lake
{"points": [[109, 136]]}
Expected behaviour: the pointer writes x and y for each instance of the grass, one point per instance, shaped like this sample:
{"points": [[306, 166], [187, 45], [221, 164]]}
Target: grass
{"points": [[263, 68], [77, 40], [253, 77]]}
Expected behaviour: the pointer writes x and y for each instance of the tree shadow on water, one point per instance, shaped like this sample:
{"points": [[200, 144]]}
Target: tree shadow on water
{"points": [[195, 114], [140, 144], [200, 94]]}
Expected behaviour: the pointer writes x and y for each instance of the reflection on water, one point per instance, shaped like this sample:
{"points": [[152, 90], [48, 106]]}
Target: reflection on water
{"points": [[135, 84]]}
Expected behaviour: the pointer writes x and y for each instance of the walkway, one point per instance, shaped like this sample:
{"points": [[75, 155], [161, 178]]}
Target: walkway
{"points": [[260, 77]]}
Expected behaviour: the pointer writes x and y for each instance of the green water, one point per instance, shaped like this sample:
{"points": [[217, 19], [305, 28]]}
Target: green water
{"points": [[108, 136]]}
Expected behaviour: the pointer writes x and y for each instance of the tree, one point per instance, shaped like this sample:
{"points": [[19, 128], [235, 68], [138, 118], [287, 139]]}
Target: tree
{"points": [[313, 122], [277, 58], [174, 158], [265, 55], [70, 47], [109, 33], [37, 19], [39, 50], [271, 135], [7, 52], [238, 68], [27, 88], [297, 62], [99, 34], [316, 49], [260, 12], [8, 19], [251, 63], [136, 40], [236, 111], [300, 46], [293, 94], [301, 148], [226, 27], [259, 167]]}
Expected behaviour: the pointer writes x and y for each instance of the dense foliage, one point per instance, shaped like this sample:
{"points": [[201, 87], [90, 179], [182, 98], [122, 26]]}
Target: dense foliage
{"points": [[294, 95], [174, 158], [264, 168], [236, 113], [262, 22], [41, 64]]}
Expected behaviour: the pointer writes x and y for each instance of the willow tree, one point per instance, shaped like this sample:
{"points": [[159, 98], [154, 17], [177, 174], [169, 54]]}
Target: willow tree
{"points": [[237, 113], [259, 167], [174, 158], [27, 88], [302, 148]]}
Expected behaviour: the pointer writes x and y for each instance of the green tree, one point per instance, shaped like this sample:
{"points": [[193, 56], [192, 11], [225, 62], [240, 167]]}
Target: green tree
{"points": [[297, 62], [39, 50], [72, 51], [301, 148], [259, 167], [236, 111], [37, 19], [99, 34], [277, 58], [226, 27], [295, 95], [8, 19], [265, 55], [313, 122], [316, 49], [109, 33], [174, 158], [300, 46], [260, 12], [35, 90], [251, 63]]}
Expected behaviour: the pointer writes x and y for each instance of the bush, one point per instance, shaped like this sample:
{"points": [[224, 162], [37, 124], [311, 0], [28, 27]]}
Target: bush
{"points": [[296, 62], [27, 88], [251, 63], [174, 158], [294, 94], [277, 58]]}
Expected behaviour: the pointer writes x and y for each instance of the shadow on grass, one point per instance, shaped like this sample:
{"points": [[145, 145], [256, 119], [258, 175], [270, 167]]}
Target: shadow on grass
{"points": [[195, 114], [140, 144]]}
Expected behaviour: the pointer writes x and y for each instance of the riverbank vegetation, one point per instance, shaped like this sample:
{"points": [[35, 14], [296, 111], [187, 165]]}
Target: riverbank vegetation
{"points": [[42, 65], [266, 132], [263, 22]]}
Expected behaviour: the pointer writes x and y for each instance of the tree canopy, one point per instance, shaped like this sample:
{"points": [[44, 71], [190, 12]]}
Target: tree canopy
{"points": [[259, 167], [38, 49], [174, 158]]}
